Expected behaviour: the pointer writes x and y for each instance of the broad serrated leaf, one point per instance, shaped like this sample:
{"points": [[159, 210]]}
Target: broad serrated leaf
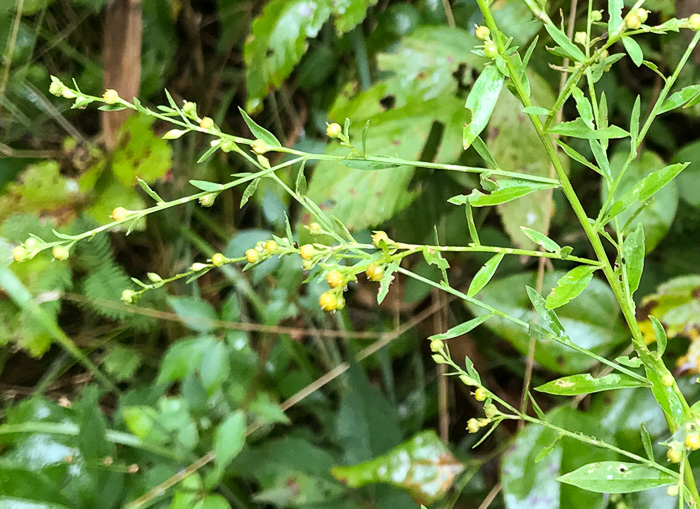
{"points": [[541, 239], [633, 254], [617, 477], [484, 275], [481, 102], [570, 286], [586, 384], [462, 328]]}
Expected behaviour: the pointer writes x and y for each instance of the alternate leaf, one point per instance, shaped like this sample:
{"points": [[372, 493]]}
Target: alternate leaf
{"points": [[258, 131], [617, 477], [481, 102], [615, 10], [509, 190], [484, 275], [578, 129], [586, 384], [565, 43], [570, 286], [205, 185], [633, 50], [387, 278], [549, 316], [462, 328], [583, 105], [541, 239], [633, 254], [660, 333], [677, 99]]}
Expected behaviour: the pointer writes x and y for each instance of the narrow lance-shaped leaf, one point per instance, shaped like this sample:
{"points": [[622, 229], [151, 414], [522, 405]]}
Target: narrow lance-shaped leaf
{"points": [[258, 131], [678, 99], [484, 275], [634, 121], [570, 286], [463, 328], [633, 254], [565, 43], [481, 102], [586, 384], [385, 283], [617, 477], [548, 315], [645, 189], [615, 11], [578, 129], [578, 157], [660, 333], [541, 239], [583, 105], [646, 441], [506, 193]]}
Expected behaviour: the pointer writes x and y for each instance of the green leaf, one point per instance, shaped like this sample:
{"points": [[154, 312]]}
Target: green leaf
{"points": [[570, 286], [259, 132], [617, 477], [205, 185], [481, 102], [484, 275], [677, 99], [549, 316], [215, 367], [646, 441], [150, 192], [229, 439], [541, 239], [535, 110], [509, 190], [660, 333], [277, 43], [615, 10], [583, 105], [423, 466], [639, 183], [183, 358], [645, 189], [574, 385], [633, 50], [140, 152], [634, 121], [434, 257], [577, 157], [212, 502], [249, 191], [578, 129], [633, 254], [565, 43], [462, 328]]}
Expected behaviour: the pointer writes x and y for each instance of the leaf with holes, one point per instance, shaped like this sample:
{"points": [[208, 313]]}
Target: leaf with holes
{"points": [[586, 384], [617, 477], [570, 286]]}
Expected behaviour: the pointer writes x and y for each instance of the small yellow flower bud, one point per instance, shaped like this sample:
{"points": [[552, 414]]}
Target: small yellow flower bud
{"points": [[374, 272], [110, 96], [198, 266], [307, 251], [484, 422], [694, 22], [271, 246], [119, 214], [378, 237], [473, 425], [633, 21], [260, 246], [668, 380], [643, 15], [328, 301], [480, 394], [68, 93], [19, 254], [30, 243], [56, 89], [333, 130], [692, 441], [260, 147], [60, 253], [436, 346], [482, 32], [206, 123], [252, 256], [218, 259], [491, 411], [580, 38], [128, 296], [315, 229], [672, 491], [334, 279], [596, 15]]}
